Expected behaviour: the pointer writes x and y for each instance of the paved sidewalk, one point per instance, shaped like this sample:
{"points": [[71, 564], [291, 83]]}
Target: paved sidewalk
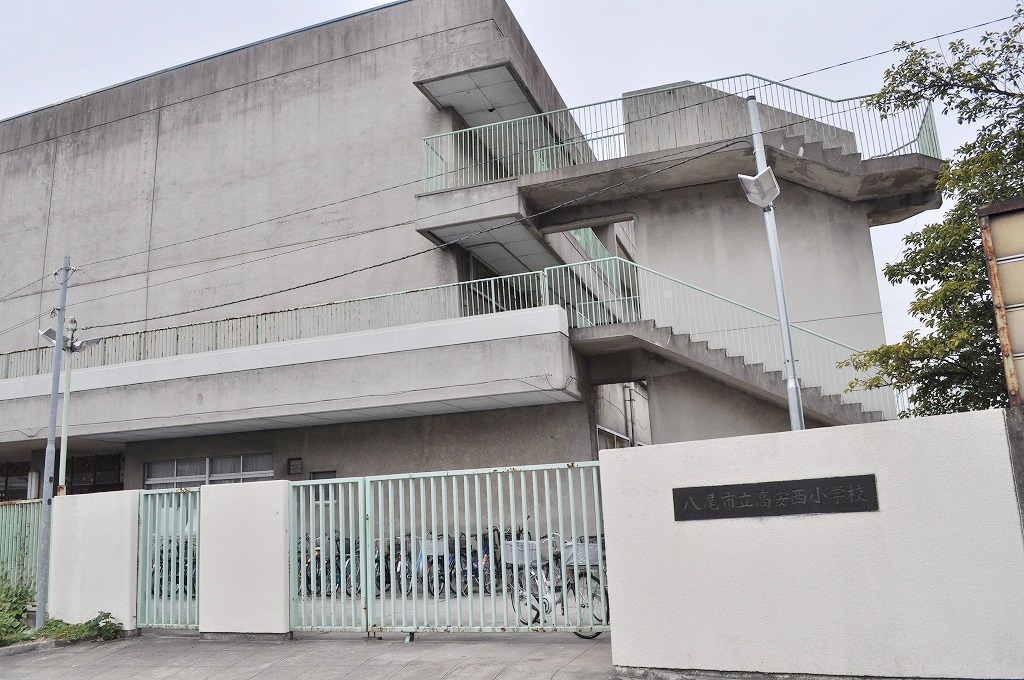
{"points": [[156, 655]]}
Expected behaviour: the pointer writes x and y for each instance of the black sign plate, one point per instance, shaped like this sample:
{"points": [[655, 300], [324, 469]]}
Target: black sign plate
{"points": [[769, 499]]}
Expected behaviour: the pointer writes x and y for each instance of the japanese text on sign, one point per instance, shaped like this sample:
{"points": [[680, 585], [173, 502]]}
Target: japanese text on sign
{"points": [[767, 499]]}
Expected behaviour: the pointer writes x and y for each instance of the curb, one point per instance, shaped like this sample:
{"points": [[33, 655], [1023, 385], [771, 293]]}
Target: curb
{"points": [[37, 645], [32, 646]]}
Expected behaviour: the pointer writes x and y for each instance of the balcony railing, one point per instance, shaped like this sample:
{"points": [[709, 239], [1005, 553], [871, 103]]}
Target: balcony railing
{"points": [[599, 292], [683, 116]]}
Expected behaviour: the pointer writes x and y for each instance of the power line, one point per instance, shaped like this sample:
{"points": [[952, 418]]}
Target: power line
{"points": [[30, 283], [892, 49], [415, 181], [404, 184], [421, 252], [20, 324], [740, 139], [526, 380], [729, 142]]}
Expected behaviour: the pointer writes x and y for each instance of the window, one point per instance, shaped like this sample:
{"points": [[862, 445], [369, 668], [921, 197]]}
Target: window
{"points": [[185, 472], [609, 439], [91, 474], [14, 481]]}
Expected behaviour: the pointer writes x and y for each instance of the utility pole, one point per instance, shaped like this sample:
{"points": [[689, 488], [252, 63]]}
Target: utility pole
{"points": [[796, 407], [70, 346], [43, 575], [62, 469]]}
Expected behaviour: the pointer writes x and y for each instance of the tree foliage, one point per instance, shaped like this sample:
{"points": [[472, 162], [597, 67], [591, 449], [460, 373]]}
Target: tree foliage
{"points": [[955, 364]]}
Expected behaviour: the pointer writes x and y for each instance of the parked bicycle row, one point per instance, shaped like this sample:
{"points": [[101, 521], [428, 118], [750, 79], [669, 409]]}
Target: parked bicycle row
{"points": [[539, 576]]}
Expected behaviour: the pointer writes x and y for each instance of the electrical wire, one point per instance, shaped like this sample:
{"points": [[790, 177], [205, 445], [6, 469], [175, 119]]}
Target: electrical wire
{"points": [[727, 143], [740, 139], [419, 252], [20, 324], [492, 160], [30, 283], [415, 181], [568, 140], [340, 400]]}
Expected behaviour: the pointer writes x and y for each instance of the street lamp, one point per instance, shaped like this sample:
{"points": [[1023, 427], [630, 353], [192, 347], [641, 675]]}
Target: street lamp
{"points": [[70, 345], [761, 190]]}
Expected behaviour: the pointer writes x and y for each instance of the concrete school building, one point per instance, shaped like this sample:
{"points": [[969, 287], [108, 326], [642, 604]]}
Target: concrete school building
{"points": [[384, 244]]}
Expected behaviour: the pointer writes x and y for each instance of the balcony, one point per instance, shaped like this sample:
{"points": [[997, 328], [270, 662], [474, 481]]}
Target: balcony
{"points": [[490, 343], [678, 117]]}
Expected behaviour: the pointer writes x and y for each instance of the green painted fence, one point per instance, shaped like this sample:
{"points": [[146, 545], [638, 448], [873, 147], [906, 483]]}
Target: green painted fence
{"points": [[19, 540]]}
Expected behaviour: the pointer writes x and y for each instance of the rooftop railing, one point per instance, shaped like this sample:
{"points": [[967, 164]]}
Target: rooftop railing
{"points": [[598, 292], [687, 115]]}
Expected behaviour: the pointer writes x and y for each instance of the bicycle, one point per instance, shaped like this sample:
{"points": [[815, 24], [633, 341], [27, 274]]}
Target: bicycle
{"points": [[537, 591]]}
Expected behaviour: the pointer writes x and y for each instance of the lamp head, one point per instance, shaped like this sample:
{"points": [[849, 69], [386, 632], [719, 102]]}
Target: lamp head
{"points": [[762, 188]]}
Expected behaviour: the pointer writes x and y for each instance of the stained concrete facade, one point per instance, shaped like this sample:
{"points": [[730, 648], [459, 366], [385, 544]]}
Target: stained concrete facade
{"points": [[281, 135], [227, 186]]}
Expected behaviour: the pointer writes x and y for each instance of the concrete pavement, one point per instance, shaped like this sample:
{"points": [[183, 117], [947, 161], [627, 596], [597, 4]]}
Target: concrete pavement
{"points": [[157, 655]]}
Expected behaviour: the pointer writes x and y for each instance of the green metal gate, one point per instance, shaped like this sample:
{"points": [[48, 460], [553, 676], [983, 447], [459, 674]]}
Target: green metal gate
{"points": [[19, 541], [168, 588], [490, 550]]}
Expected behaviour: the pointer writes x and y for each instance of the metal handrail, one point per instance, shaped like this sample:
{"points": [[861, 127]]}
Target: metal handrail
{"points": [[666, 118], [595, 292]]}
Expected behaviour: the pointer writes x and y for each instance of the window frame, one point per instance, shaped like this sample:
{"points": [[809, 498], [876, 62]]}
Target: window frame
{"points": [[187, 481]]}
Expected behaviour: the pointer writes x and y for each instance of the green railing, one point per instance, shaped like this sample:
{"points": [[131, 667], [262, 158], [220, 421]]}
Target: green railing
{"points": [[615, 290], [435, 303], [677, 117], [596, 292], [19, 541], [590, 243]]}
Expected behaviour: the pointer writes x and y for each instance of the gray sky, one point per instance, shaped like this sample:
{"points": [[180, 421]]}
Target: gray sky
{"points": [[593, 49]]}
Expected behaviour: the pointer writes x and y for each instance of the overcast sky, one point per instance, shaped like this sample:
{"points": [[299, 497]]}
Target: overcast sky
{"points": [[593, 49]]}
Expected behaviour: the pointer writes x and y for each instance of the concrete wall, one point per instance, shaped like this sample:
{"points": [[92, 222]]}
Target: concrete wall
{"points": [[688, 406], [270, 141], [542, 434], [710, 236], [687, 114], [472, 363], [243, 566], [95, 556], [614, 411], [930, 585]]}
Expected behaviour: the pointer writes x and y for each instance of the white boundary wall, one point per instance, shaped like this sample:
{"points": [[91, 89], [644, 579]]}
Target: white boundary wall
{"points": [[931, 585], [243, 558], [94, 556]]}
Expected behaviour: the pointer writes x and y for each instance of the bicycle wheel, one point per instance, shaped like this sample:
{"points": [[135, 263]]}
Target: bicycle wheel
{"points": [[465, 578], [592, 600], [351, 578], [524, 591]]}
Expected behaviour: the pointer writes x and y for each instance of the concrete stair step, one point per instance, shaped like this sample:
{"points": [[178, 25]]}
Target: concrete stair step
{"points": [[833, 403]]}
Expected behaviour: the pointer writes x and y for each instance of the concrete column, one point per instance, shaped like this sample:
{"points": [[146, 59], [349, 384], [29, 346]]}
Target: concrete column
{"points": [[243, 558], [94, 557]]}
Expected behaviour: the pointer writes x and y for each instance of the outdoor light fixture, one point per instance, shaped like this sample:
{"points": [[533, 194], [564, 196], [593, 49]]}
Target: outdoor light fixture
{"points": [[70, 345], [761, 189]]}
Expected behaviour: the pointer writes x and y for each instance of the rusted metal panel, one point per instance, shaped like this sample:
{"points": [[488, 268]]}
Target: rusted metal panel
{"points": [[1000, 311]]}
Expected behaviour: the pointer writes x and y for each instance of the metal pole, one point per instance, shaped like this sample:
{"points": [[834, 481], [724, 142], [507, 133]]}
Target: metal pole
{"points": [[43, 575], [63, 469], [796, 409]]}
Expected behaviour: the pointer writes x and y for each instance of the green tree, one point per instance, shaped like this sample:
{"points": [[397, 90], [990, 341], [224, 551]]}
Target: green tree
{"points": [[955, 364]]}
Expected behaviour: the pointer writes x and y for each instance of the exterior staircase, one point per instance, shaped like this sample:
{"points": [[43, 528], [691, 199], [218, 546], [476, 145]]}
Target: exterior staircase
{"points": [[641, 350]]}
